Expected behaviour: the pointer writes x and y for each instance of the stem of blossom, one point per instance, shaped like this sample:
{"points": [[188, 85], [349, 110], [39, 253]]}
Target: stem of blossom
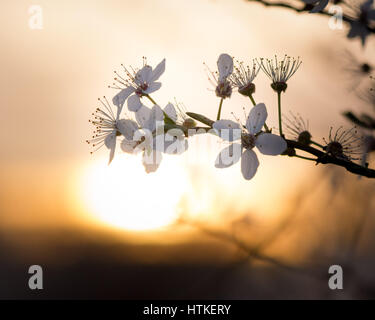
{"points": [[149, 98], [279, 109], [219, 111], [305, 158], [252, 100], [154, 102], [254, 104], [317, 144]]}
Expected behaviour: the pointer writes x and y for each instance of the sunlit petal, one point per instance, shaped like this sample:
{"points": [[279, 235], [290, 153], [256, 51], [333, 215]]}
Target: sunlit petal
{"points": [[270, 144], [256, 119], [249, 164]]}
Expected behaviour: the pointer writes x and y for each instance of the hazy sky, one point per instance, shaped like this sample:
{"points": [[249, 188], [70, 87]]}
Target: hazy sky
{"points": [[51, 78]]}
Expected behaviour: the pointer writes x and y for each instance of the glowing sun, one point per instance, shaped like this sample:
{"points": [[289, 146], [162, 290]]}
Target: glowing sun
{"points": [[124, 196]]}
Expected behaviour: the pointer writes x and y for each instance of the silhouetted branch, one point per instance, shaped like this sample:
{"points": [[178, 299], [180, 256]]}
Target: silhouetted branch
{"points": [[325, 158], [303, 9], [251, 252]]}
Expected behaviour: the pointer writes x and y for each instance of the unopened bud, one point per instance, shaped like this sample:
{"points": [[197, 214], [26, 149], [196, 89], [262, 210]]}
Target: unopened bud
{"points": [[247, 90], [304, 137], [189, 123], [279, 86]]}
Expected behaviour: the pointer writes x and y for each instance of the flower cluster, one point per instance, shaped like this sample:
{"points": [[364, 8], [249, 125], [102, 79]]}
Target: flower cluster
{"points": [[154, 131], [144, 131]]}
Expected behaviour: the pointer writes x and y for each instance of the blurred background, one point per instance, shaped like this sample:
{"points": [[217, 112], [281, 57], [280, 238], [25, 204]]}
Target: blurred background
{"points": [[189, 230]]}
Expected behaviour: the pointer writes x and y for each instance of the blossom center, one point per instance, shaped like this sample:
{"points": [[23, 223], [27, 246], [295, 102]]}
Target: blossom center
{"points": [[224, 89], [279, 86], [247, 90], [141, 88], [335, 148], [366, 68], [248, 140], [304, 137]]}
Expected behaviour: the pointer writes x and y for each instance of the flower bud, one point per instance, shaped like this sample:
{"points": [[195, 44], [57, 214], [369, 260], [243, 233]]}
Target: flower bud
{"points": [[247, 90], [304, 137], [279, 86], [189, 123]]}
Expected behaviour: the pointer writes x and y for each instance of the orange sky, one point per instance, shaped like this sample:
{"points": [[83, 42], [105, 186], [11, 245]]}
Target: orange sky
{"points": [[50, 80]]}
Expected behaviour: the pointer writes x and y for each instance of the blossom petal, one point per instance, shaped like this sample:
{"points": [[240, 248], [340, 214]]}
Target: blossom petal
{"points": [[134, 103], [119, 99], [270, 144], [256, 119], [144, 139], [228, 156], [249, 164], [155, 119], [225, 124], [153, 87], [144, 74], [128, 146], [171, 111], [151, 160], [173, 142], [142, 115], [225, 66], [158, 71], [127, 128], [227, 129], [110, 143]]}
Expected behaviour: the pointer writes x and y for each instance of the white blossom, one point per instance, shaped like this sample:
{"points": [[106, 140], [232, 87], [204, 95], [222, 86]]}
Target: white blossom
{"points": [[146, 135], [136, 84], [223, 87], [251, 136], [108, 127]]}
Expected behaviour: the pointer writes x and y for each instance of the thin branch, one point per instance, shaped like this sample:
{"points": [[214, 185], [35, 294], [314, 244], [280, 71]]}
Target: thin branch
{"points": [[251, 252], [325, 158], [304, 9]]}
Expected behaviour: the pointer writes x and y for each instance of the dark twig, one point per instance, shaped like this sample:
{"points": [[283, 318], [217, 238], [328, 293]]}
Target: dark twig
{"points": [[251, 252], [325, 158], [285, 5]]}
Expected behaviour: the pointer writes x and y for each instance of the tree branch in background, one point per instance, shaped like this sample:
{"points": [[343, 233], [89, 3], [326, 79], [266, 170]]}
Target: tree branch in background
{"points": [[305, 8]]}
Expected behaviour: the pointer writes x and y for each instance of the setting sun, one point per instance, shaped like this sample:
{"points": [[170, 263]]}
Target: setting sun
{"points": [[124, 196]]}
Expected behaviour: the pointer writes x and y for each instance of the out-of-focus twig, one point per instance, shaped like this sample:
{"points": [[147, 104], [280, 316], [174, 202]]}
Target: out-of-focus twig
{"points": [[251, 252], [303, 9]]}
